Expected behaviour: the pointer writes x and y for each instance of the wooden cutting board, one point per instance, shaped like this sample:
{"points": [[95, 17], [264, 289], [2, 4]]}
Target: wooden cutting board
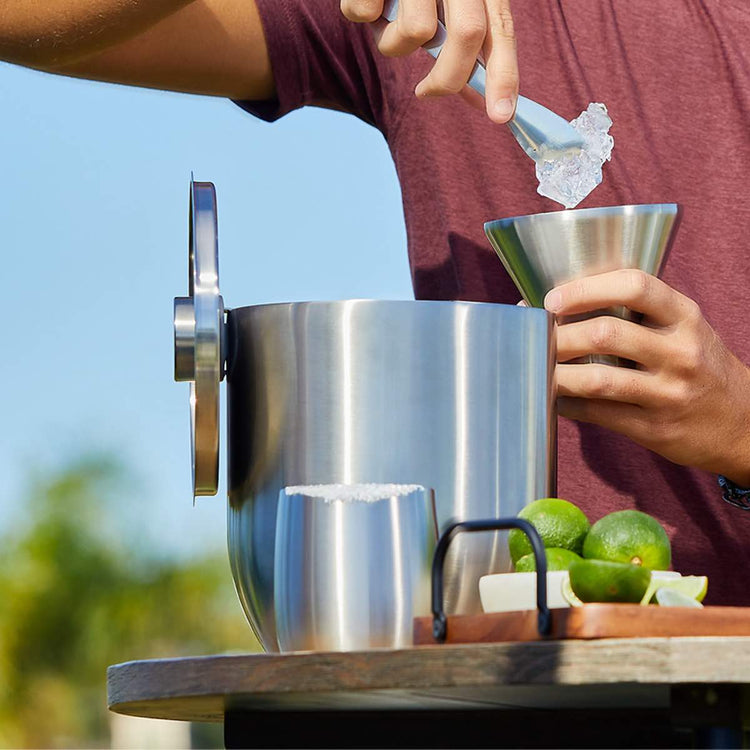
{"points": [[591, 621]]}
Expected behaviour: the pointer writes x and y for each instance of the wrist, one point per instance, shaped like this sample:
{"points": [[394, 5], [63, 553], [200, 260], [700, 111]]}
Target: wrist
{"points": [[734, 461], [737, 478]]}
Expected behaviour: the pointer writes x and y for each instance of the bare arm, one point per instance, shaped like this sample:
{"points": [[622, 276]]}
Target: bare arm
{"points": [[213, 47], [38, 34]]}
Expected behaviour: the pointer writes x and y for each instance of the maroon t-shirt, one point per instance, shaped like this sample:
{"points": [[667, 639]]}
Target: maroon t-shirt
{"points": [[675, 76]]}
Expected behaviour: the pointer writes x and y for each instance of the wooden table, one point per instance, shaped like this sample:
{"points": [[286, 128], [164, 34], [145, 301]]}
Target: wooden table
{"points": [[635, 692]]}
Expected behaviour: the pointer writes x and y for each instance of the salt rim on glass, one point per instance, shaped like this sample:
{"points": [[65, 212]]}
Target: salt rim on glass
{"points": [[359, 493]]}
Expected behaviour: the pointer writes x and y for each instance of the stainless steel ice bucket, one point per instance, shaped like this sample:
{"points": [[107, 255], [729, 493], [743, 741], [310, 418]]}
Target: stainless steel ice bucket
{"points": [[456, 396]]}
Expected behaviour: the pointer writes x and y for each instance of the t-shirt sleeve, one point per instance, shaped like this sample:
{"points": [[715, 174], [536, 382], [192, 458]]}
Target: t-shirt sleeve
{"points": [[319, 58]]}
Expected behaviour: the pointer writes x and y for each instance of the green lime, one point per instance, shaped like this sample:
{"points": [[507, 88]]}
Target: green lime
{"points": [[568, 594], [604, 581], [557, 559], [672, 598], [629, 536], [693, 586], [559, 523]]}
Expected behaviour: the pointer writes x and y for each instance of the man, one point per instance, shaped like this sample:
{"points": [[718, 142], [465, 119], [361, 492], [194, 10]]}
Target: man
{"points": [[655, 437]]}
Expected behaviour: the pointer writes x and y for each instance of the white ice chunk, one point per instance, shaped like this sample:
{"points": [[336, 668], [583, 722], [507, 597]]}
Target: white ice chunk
{"points": [[569, 177]]}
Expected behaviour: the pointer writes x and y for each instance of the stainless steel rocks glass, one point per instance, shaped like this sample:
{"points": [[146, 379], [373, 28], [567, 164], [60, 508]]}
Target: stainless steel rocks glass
{"points": [[352, 565], [456, 396], [541, 251]]}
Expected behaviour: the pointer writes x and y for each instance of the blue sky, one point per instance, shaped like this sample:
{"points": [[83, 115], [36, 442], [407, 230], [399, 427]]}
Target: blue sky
{"points": [[94, 235]]}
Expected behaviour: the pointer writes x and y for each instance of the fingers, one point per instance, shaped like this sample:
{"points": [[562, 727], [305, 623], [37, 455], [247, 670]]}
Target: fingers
{"points": [[473, 98], [466, 26], [474, 28], [362, 11], [500, 61], [607, 334], [637, 290], [624, 418], [414, 26], [606, 383]]}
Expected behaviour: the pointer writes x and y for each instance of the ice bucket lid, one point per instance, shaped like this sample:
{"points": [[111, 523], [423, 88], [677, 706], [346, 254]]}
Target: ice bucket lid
{"points": [[198, 333]]}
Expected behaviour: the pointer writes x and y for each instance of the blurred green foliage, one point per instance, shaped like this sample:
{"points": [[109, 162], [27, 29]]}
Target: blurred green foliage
{"points": [[80, 591]]}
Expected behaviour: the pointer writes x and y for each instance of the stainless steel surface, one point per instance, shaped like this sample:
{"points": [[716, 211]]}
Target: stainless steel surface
{"points": [[198, 327], [541, 251], [536, 128], [352, 565], [456, 396]]}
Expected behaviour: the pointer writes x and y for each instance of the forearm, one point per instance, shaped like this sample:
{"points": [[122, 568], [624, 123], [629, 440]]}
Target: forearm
{"points": [[51, 33]]}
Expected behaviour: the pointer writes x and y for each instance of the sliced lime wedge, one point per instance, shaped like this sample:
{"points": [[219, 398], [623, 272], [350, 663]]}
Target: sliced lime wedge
{"points": [[657, 577], [694, 587], [568, 594], [667, 597]]}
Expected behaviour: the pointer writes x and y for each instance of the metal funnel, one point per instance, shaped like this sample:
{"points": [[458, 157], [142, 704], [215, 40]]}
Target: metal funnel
{"points": [[541, 251]]}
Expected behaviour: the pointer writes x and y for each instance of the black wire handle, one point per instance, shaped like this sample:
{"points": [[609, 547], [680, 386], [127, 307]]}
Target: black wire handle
{"points": [[439, 620]]}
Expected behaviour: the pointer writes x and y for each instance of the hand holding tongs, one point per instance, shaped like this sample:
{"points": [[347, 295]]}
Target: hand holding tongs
{"points": [[536, 128]]}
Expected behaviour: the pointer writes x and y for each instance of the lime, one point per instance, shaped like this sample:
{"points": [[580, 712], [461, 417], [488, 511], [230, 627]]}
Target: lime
{"points": [[657, 577], [559, 523], [557, 559], [568, 594], [671, 598], [629, 536], [693, 586], [605, 581]]}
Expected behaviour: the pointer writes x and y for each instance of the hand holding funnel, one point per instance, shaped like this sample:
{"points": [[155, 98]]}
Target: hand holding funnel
{"points": [[542, 251]]}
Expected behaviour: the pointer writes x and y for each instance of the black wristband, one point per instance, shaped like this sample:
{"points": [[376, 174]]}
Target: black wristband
{"points": [[734, 495]]}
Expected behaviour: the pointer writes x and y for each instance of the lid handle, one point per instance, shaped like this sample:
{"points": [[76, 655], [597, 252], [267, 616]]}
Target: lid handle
{"points": [[198, 334]]}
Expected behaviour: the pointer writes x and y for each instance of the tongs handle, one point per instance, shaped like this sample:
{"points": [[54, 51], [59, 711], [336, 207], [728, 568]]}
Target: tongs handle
{"points": [[536, 128], [435, 45]]}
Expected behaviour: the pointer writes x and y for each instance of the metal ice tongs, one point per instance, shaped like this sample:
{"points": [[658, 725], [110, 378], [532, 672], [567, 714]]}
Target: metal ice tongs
{"points": [[536, 128]]}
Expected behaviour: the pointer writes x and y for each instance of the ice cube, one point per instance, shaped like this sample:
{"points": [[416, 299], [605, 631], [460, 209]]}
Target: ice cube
{"points": [[594, 124], [569, 177]]}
